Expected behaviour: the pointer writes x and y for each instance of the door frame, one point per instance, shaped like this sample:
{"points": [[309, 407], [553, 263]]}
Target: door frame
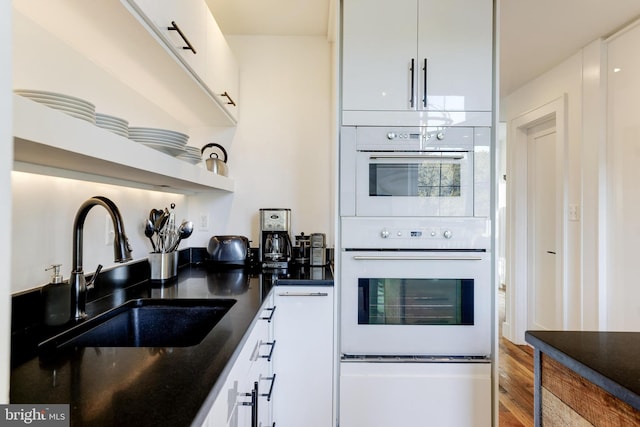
{"points": [[517, 274]]}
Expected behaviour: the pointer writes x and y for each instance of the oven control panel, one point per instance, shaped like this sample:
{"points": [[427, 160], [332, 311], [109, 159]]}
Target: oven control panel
{"points": [[415, 233]]}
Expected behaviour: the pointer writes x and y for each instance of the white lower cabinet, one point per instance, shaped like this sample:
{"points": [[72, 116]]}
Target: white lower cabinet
{"points": [[244, 399], [303, 356], [415, 394]]}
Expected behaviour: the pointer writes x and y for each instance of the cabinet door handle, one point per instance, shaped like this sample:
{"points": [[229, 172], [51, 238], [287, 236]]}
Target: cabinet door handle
{"points": [[270, 317], [413, 81], [270, 355], [174, 27], [303, 294], [424, 88], [273, 381], [253, 403], [229, 100]]}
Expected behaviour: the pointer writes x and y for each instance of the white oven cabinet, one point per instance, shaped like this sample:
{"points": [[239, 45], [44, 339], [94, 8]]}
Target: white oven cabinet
{"points": [[252, 370], [303, 356], [385, 49], [415, 394], [209, 57]]}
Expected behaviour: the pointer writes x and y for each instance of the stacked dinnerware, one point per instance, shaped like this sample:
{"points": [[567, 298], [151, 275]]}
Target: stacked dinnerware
{"points": [[191, 154], [167, 141], [114, 124], [75, 107]]}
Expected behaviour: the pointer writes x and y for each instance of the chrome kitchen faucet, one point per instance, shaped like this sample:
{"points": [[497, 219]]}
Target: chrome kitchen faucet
{"points": [[121, 250]]}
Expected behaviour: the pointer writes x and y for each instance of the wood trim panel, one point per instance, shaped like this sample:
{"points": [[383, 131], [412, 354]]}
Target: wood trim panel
{"points": [[594, 404], [556, 413]]}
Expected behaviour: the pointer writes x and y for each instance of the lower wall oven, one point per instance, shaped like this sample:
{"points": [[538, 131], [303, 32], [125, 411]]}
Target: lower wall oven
{"points": [[424, 303], [416, 321]]}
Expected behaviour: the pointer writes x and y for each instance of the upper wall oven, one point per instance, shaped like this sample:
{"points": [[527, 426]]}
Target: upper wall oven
{"points": [[415, 171]]}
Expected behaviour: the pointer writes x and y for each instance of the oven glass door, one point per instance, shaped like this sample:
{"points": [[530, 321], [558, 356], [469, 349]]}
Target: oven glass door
{"points": [[384, 301], [414, 184], [416, 303]]}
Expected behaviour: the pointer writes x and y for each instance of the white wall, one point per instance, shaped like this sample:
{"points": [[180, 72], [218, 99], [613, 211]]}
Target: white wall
{"points": [[6, 159], [622, 296], [566, 78], [44, 208], [280, 153], [602, 178]]}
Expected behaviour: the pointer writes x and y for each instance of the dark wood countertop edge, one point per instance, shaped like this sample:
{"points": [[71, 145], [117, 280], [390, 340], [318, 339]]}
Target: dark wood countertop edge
{"points": [[585, 371]]}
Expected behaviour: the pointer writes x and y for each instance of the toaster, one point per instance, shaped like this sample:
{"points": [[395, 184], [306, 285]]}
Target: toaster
{"points": [[230, 250]]}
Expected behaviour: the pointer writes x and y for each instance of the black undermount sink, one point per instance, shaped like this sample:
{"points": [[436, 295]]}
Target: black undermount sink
{"points": [[146, 323]]}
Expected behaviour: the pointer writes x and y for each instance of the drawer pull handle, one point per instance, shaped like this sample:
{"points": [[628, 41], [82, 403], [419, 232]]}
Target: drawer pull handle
{"points": [[270, 317], [270, 355], [174, 27], [273, 381], [303, 294]]}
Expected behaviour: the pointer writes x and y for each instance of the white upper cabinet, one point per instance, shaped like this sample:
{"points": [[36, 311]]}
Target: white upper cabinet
{"points": [[181, 24], [222, 71], [417, 55], [189, 30]]}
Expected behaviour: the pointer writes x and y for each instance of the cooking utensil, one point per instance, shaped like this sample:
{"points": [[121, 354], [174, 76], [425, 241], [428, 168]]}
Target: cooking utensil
{"points": [[149, 230], [184, 231], [214, 163]]}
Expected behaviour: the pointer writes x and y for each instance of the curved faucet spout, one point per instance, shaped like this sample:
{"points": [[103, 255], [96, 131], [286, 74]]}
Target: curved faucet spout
{"points": [[121, 249]]}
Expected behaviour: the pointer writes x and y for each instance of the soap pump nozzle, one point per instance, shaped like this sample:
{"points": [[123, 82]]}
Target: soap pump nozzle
{"points": [[56, 277]]}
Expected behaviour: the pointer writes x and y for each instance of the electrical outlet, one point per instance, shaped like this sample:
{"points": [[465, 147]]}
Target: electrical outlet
{"points": [[574, 213], [203, 224], [109, 233]]}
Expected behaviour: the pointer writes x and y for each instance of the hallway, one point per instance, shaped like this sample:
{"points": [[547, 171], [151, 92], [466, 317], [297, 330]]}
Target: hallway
{"points": [[515, 380]]}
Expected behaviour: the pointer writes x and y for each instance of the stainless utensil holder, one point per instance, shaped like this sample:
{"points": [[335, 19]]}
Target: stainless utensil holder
{"points": [[164, 266]]}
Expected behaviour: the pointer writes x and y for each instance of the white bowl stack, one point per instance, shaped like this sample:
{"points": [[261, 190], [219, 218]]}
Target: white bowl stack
{"points": [[191, 154], [112, 123], [167, 141], [75, 107]]}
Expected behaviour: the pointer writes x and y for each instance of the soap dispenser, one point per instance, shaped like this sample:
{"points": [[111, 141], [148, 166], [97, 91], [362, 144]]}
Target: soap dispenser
{"points": [[57, 299]]}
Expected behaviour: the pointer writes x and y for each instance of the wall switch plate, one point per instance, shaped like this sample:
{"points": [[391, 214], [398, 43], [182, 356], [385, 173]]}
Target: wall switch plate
{"points": [[574, 213], [203, 223]]}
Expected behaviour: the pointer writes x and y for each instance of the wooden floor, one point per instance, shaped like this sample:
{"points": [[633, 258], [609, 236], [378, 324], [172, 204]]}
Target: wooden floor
{"points": [[515, 384]]}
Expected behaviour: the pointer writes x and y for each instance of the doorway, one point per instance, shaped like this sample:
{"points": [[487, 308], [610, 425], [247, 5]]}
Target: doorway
{"points": [[536, 231], [544, 308]]}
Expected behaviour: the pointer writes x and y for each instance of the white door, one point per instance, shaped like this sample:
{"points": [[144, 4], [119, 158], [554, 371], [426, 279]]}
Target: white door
{"points": [[544, 289]]}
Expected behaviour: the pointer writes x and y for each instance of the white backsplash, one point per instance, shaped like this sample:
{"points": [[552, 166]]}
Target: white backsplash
{"points": [[44, 208]]}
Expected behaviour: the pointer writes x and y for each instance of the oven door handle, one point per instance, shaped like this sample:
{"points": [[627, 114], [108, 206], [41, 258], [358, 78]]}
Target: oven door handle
{"points": [[418, 157], [417, 258]]}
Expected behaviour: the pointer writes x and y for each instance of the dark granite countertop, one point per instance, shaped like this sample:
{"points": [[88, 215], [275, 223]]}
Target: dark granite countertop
{"points": [[109, 386], [607, 359]]}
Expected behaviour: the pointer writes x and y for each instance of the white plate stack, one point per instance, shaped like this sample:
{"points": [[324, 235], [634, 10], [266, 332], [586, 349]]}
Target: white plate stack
{"points": [[191, 154], [75, 107], [167, 141], [112, 123]]}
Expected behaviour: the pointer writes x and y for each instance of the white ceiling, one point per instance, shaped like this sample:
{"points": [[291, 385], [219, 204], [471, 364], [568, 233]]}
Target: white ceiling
{"points": [[535, 35]]}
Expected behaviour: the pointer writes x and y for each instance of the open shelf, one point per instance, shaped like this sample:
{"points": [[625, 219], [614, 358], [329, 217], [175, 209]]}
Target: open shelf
{"points": [[48, 137]]}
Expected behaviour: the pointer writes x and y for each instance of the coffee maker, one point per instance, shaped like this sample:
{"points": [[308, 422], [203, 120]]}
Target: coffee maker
{"points": [[275, 243]]}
